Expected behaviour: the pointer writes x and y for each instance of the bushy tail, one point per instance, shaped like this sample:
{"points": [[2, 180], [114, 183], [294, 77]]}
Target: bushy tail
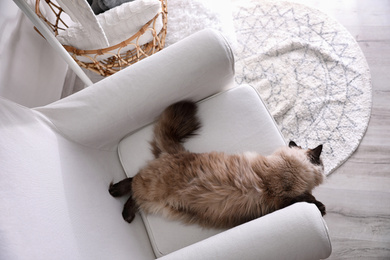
{"points": [[176, 123]]}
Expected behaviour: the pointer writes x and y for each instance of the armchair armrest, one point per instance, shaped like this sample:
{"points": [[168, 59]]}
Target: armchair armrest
{"points": [[295, 232], [99, 116]]}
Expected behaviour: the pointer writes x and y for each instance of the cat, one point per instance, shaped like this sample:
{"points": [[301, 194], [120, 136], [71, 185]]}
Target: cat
{"points": [[216, 190]]}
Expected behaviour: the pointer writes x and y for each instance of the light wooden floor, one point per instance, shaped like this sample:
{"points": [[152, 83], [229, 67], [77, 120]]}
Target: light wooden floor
{"points": [[357, 194]]}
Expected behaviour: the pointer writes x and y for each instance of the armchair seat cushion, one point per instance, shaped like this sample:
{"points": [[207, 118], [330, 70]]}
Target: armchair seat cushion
{"points": [[233, 121]]}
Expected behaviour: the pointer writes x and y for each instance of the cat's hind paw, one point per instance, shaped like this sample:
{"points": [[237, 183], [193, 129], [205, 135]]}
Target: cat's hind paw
{"points": [[128, 217], [129, 210], [121, 188], [114, 191]]}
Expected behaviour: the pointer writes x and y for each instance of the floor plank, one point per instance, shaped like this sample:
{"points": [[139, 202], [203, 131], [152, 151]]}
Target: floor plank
{"points": [[359, 249]]}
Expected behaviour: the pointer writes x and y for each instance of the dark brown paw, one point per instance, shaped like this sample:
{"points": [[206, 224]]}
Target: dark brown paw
{"points": [[129, 210], [128, 216], [321, 207], [114, 191], [121, 188]]}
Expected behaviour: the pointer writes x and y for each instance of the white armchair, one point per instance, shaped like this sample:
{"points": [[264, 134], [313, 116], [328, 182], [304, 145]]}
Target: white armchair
{"points": [[57, 161]]}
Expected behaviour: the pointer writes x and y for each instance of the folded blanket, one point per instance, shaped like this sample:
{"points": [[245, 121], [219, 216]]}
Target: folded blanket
{"points": [[115, 25], [124, 21], [100, 6], [86, 32]]}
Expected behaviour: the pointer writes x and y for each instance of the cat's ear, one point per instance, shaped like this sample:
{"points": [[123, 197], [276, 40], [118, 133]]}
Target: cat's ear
{"points": [[292, 144], [315, 154]]}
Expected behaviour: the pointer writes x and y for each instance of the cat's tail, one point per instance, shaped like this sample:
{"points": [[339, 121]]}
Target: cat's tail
{"points": [[176, 123]]}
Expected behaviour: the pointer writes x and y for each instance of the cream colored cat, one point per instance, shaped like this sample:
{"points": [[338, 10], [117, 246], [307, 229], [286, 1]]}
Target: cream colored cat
{"points": [[216, 189]]}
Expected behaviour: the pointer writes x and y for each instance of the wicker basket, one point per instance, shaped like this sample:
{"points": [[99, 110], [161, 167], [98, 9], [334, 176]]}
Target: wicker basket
{"points": [[118, 59]]}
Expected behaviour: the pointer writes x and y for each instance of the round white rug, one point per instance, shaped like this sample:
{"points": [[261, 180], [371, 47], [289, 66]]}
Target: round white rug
{"points": [[307, 67], [309, 71]]}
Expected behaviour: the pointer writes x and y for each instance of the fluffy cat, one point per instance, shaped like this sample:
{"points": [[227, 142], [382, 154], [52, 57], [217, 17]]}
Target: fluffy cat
{"points": [[216, 190]]}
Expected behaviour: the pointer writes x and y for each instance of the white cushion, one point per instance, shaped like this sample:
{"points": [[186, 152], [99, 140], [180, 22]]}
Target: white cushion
{"points": [[232, 121]]}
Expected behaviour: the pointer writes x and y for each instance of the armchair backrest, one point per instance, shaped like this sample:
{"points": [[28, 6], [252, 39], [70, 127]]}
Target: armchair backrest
{"points": [[194, 68]]}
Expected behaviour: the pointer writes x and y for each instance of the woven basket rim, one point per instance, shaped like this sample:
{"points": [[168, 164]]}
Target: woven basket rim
{"points": [[117, 60], [116, 46]]}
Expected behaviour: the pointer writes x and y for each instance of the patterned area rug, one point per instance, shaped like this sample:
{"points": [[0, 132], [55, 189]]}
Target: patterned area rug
{"points": [[309, 71], [307, 67]]}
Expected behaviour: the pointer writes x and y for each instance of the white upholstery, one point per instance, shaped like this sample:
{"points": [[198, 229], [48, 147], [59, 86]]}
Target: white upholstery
{"points": [[53, 196], [296, 232], [133, 98], [57, 162]]}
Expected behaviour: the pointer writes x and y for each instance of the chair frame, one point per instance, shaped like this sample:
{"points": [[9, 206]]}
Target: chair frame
{"points": [[55, 44]]}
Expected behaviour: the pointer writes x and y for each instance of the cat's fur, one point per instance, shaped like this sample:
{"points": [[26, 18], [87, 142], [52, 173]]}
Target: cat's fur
{"points": [[216, 189]]}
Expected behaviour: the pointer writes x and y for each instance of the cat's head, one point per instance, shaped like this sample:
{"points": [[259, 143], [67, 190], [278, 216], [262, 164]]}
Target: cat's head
{"points": [[311, 161], [314, 155], [300, 169]]}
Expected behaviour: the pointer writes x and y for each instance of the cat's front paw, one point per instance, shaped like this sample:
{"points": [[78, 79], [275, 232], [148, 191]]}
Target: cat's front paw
{"points": [[321, 207]]}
